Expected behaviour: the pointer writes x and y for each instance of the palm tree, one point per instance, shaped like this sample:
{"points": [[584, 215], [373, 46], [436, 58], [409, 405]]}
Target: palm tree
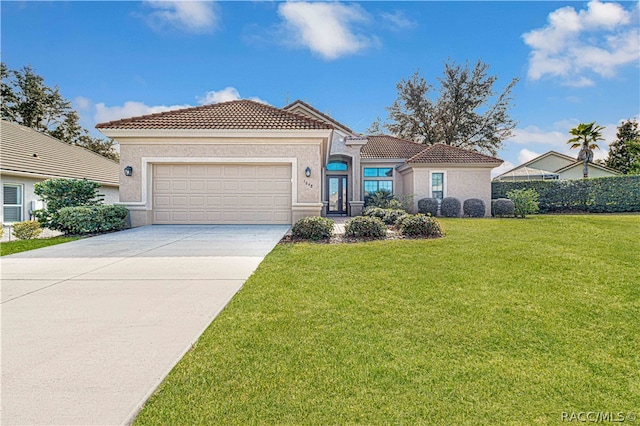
{"points": [[586, 137]]}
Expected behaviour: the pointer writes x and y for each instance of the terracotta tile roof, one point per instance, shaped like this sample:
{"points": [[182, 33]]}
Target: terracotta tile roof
{"points": [[28, 151], [390, 147], [242, 114], [321, 114], [441, 153]]}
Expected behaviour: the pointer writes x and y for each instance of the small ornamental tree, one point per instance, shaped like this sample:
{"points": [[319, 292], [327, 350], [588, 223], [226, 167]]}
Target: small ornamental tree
{"points": [[525, 201], [59, 193]]}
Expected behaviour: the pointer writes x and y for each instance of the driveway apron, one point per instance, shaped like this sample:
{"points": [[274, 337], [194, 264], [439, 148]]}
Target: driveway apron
{"points": [[90, 328]]}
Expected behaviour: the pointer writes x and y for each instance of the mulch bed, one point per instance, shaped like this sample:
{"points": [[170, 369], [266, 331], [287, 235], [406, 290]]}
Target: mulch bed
{"points": [[341, 239]]}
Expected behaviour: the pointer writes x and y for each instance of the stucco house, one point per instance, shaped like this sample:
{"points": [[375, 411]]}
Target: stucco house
{"points": [[28, 157], [554, 165], [247, 162]]}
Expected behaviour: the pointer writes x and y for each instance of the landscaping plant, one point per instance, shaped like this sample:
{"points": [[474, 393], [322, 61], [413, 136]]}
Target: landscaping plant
{"points": [[428, 206], [312, 228], [365, 227], [502, 207], [525, 201], [450, 207], [91, 219], [473, 207], [27, 230], [420, 225], [59, 193]]}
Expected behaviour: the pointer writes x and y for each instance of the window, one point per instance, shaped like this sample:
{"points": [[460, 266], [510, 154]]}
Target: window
{"points": [[437, 185], [378, 172], [12, 207], [337, 166], [371, 186]]}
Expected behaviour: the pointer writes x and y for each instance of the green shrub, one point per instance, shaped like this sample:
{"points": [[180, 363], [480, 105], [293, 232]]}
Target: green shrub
{"points": [[385, 199], [420, 225], [374, 212], [474, 207], [450, 207], [92, 219], [614, 194], [27, 230], [391, 215], [428, 206], [313, 228], [502, 207], [399, 220], [60, 193], [365, 227], [525, 201], [1, 230]]}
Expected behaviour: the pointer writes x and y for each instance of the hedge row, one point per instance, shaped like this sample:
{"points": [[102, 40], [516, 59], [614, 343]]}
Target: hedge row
{"points": [[597, 195]]}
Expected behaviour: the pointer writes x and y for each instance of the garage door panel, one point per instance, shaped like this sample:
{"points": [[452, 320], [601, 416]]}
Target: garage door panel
{"points": [[222, 193]]}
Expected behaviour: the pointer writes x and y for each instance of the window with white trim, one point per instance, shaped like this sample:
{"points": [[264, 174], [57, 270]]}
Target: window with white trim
{"points": [[437, 185], [12, 203]]}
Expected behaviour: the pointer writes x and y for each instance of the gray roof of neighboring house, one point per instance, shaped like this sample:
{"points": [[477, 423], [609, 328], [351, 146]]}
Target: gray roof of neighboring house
{"points": [[528, 172], [241, 114], [25, 150]]}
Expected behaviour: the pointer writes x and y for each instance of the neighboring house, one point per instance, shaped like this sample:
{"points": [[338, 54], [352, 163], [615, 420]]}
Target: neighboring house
{"points": [[554, 165], [246, 162], [28, 157]]}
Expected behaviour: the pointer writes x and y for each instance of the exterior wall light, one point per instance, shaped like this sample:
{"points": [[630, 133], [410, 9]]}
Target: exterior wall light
{"points": [[128, 171], [307, 171]]}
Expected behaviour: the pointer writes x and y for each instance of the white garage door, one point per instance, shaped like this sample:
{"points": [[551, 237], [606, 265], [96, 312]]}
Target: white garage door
{"points": [[221, 193]]}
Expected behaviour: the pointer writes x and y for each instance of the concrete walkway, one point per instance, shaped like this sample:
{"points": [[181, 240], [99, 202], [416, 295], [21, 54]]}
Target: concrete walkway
{"points": [[91, 327]]}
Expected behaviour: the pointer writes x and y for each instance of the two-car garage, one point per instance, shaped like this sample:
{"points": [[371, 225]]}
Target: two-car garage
{"points": [[221, 193]]}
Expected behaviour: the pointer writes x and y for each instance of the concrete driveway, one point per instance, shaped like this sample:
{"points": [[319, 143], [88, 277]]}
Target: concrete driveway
{"points": [[90, 328]]}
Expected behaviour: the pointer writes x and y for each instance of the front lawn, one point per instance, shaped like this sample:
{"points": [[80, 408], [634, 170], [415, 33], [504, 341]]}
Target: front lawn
{"points": [[12, 247], [501, 322]]}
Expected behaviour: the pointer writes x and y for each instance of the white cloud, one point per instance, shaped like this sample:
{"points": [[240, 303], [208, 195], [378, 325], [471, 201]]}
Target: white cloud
{"points": [[398, 20], [599, 40], [102, 112], [189, 16], [526, 155], [325, 28], [129, 109], [225, 95]]}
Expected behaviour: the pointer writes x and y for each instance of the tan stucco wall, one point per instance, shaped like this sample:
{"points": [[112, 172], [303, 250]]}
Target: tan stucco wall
{"points": [[110, 193], [306, 151], [575, 172], [550, 163], [459, 182]]}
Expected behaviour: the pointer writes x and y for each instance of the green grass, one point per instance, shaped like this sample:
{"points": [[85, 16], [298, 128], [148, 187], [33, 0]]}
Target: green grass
{"points": [[501, 322], [12, 247]]}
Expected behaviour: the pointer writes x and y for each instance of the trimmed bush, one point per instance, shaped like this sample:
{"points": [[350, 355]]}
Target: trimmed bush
{"points": [[420, 225], [428, 206], [502, 207], [391, 215], [27, 230], [312, 228], [525, 201], [399, 220], [1, 230], [60, 193], [375, 212], [450, 207], [614, 194], [365, 227], [474, 207], [91, 219]]}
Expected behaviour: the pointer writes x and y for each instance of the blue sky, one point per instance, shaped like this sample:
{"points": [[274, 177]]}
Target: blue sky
{"points": [[576, 61]]}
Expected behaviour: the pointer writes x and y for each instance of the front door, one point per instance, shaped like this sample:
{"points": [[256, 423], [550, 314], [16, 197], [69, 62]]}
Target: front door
{"points": [[337, 195]]}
